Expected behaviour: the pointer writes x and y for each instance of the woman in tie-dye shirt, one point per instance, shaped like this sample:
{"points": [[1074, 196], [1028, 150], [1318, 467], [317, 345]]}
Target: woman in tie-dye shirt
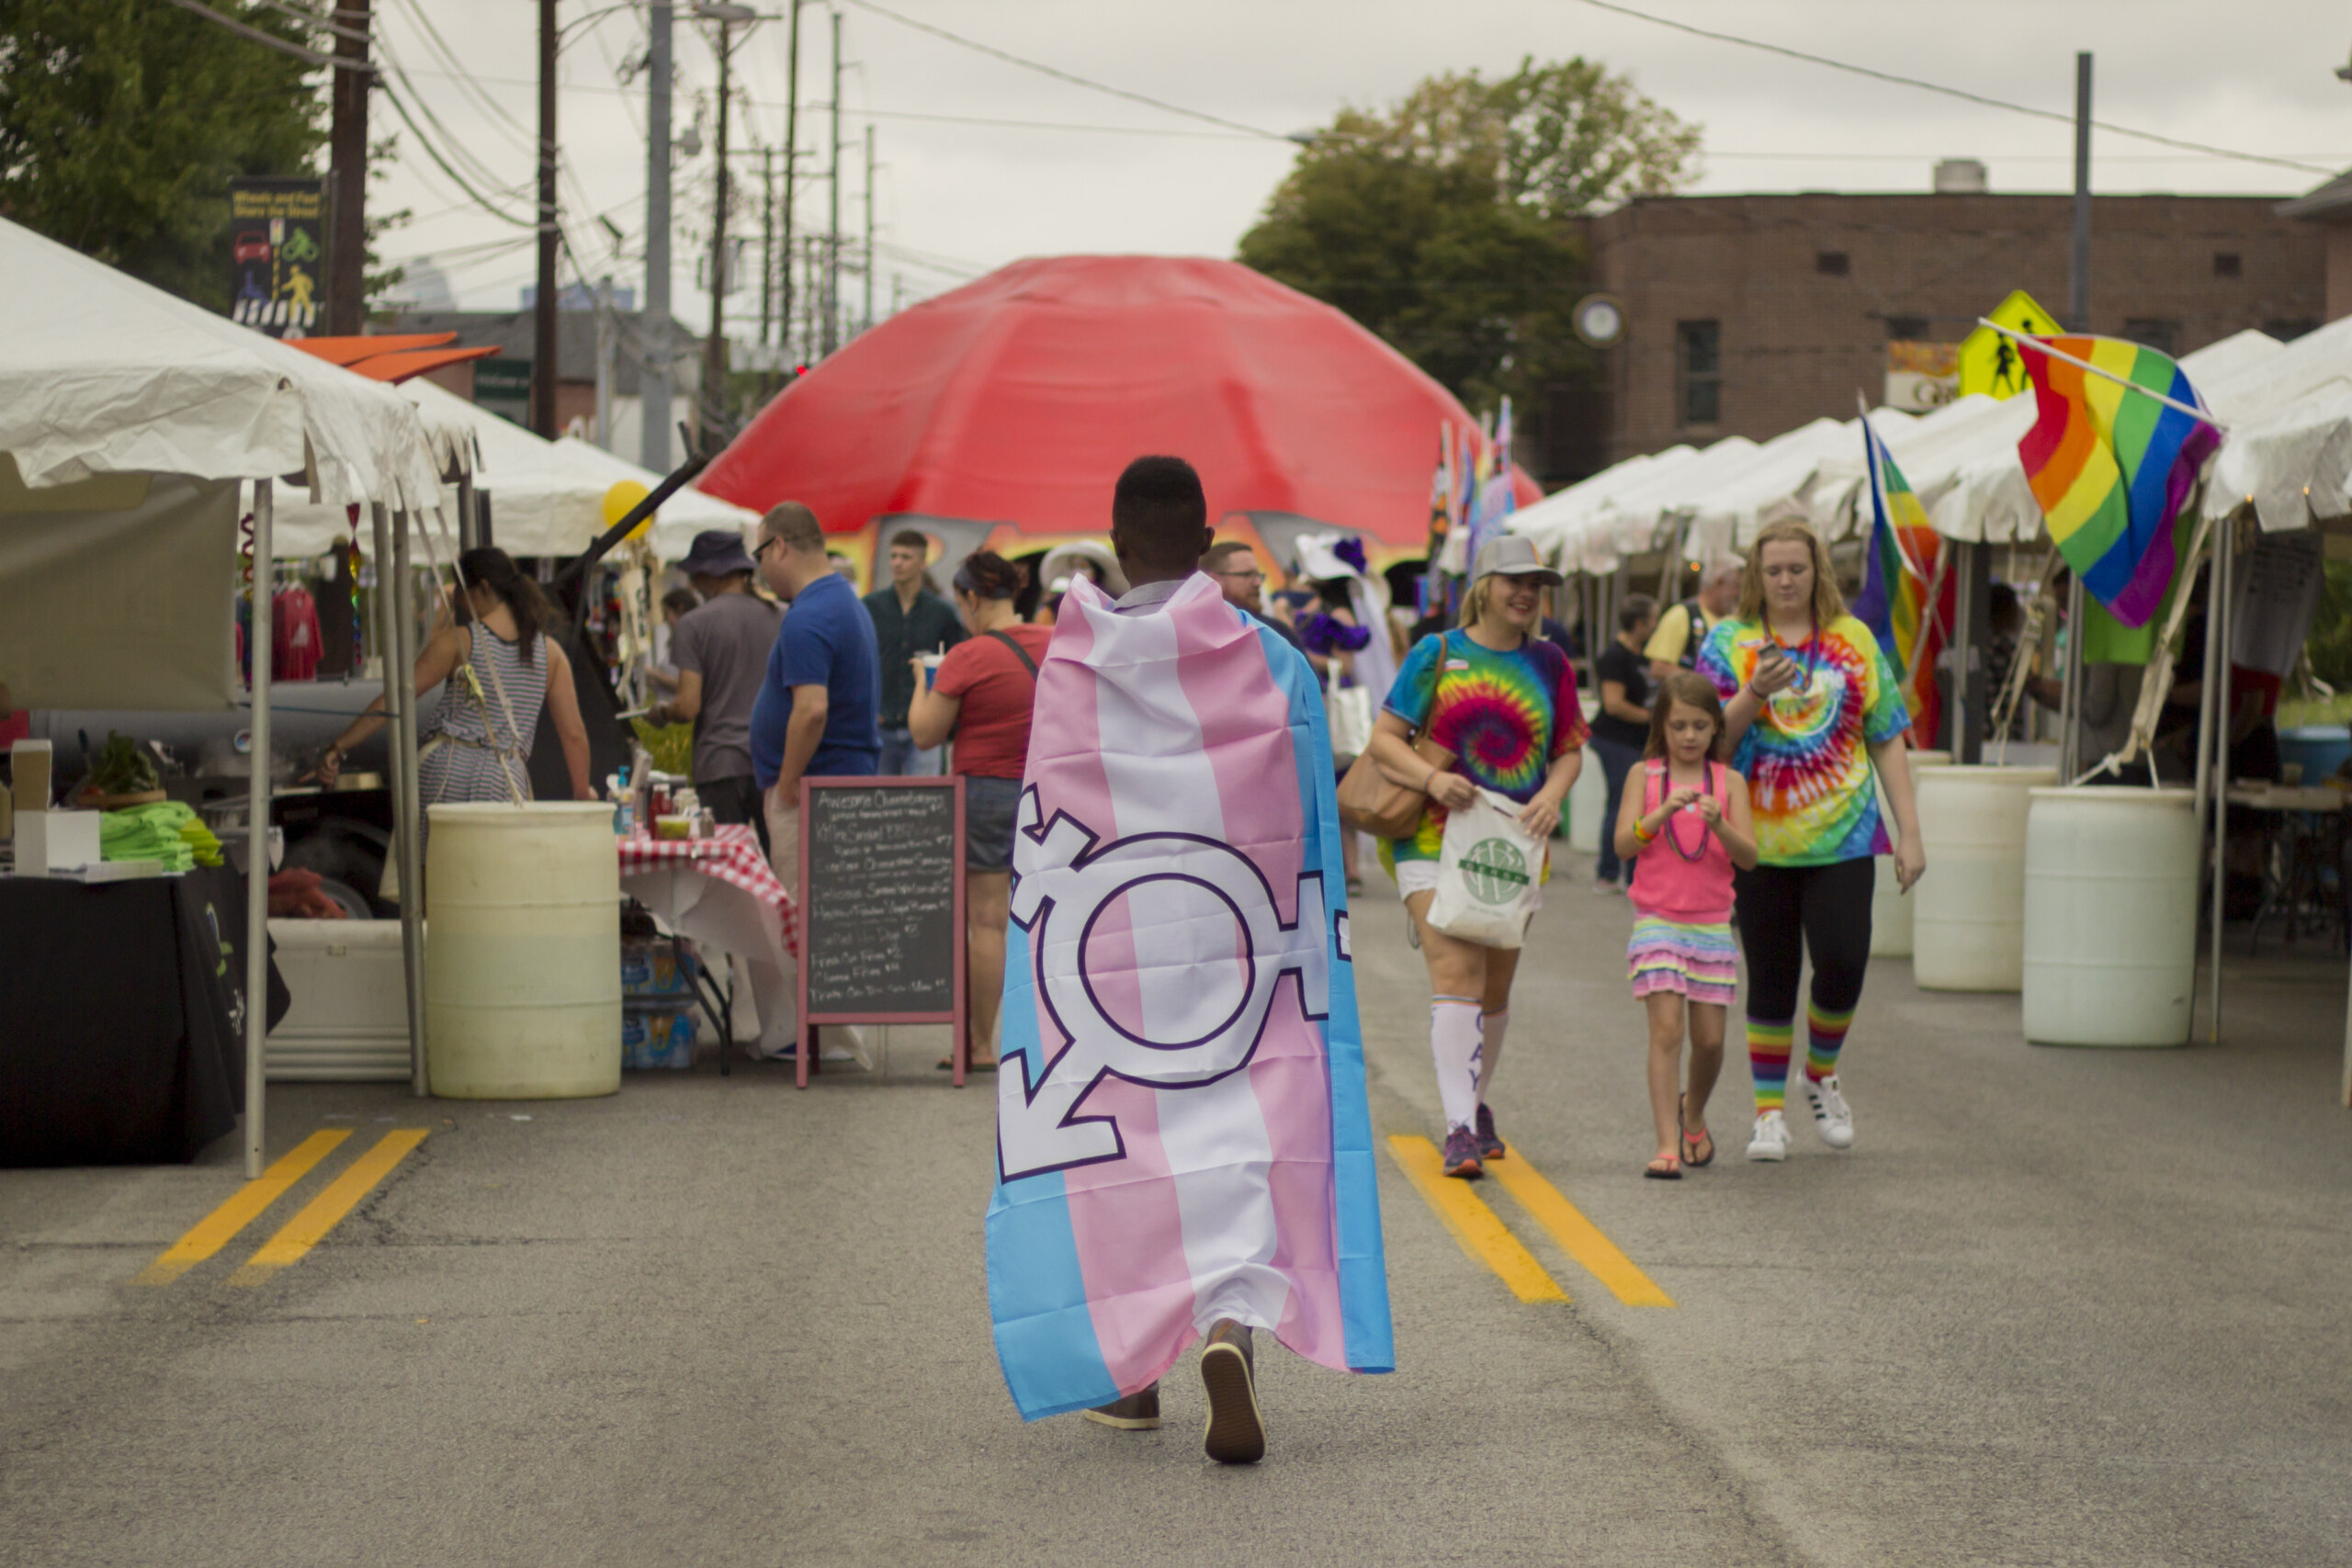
{"points": [[1814, 708], [1490, 706]]}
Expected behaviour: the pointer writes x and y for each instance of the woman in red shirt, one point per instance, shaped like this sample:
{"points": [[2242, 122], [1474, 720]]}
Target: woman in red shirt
{"points": [[980, 697]]}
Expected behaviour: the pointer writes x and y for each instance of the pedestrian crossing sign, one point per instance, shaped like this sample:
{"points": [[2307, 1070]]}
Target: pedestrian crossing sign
{"points": [[1989, 362]]}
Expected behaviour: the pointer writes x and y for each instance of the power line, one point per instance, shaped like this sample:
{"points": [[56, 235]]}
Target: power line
{"points": [[1901, 81], [1060, 75], [268, 39]]}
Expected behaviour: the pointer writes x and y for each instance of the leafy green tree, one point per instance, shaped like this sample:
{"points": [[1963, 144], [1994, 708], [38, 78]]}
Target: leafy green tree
{"points": [[1448, 224], [122, 121]]}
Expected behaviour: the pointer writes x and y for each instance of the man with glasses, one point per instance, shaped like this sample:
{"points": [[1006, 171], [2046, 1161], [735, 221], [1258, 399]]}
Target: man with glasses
{"points": [[1235, 566]]}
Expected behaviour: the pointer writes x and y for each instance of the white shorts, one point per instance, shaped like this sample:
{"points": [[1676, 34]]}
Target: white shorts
{"points": [[1420, 877]]}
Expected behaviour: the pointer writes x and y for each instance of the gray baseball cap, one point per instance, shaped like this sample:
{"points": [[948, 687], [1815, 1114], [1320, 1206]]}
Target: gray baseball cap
{"points": [[1509, 555]]}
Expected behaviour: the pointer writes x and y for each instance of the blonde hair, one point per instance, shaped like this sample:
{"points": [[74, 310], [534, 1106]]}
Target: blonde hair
{"points": [[1828, 601]]}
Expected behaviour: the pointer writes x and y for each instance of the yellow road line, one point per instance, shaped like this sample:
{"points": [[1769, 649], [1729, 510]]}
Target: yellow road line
{"points": [[1481, 1233], [323, 1213], [216, 1229], [1579, 1237]]}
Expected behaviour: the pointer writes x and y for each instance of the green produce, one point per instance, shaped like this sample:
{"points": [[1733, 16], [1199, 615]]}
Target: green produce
{"points": [[122, 767]]}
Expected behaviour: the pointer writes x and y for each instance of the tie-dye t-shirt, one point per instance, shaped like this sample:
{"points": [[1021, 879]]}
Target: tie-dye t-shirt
{"points": [[1503, 715], [1807, 755]]}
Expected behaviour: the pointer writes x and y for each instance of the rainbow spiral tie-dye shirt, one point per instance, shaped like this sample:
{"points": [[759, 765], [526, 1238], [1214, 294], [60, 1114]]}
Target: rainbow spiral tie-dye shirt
{"points": [[1504, 716], [1807, 755]]}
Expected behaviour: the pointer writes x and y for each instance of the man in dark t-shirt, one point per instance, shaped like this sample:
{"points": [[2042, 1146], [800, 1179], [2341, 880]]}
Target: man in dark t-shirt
{"points": [[720, 649]]}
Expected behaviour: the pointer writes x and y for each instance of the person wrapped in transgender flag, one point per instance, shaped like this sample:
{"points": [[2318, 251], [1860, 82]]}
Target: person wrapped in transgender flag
{"points": [[1182, 1133]]}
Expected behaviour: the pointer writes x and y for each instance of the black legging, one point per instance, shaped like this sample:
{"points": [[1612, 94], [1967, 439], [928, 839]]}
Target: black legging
{"points": [[1786, 910]]}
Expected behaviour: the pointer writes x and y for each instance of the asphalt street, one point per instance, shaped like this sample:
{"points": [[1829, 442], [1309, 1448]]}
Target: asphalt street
{"points": [[2055, 1307]]}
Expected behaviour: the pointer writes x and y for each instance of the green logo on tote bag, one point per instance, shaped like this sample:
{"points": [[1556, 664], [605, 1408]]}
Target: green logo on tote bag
{"points": [[1494, 871]]}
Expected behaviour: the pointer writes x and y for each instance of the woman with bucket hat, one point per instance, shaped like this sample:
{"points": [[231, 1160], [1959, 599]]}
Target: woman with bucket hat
{"points": [[1490, 706]]}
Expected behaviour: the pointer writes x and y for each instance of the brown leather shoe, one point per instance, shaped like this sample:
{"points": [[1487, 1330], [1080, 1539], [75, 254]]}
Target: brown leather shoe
{"points": [[1236, 1431], [1139, 1412]]}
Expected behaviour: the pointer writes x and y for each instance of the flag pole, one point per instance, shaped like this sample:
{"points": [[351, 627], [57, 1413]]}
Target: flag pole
{"points": [[2192, 412]]}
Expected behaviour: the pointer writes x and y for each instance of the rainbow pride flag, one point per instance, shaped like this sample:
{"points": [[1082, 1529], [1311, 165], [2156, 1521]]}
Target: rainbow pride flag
{"points": [[2111, 467], [1900, 576]]}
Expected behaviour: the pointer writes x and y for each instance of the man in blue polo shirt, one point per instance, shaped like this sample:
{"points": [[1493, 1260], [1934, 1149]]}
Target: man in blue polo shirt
{"points": [[816, 714]]}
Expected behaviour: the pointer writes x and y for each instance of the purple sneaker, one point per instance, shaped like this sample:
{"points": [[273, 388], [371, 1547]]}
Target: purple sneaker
{"points": [[1490, 1143], [1461, 1153]]}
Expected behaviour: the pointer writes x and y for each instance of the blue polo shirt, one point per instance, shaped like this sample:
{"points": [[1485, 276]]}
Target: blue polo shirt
{"points": [[827, 640]]}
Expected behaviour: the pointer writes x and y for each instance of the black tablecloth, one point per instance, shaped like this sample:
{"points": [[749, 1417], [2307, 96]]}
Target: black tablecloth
{"points": [[122, 1016]]}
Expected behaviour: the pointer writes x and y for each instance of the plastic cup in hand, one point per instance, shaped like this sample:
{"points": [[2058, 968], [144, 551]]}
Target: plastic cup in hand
{"points": [[930, 668]]}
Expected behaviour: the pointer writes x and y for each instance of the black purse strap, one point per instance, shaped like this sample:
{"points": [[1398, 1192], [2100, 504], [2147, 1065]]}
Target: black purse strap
{"points": [[1018, 652]]}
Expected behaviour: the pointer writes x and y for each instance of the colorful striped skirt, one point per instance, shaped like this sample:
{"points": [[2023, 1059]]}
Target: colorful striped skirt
{"points": [[1698, 963]]}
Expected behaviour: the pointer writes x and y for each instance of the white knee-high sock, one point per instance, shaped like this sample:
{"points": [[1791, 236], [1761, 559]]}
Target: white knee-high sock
{"points": [[1490, 1027], [1454, 1042]]}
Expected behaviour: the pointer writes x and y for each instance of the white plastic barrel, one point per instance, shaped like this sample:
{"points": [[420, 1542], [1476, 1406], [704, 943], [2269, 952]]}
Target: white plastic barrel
{"points": [[522, 960], [2110, 916], [1890, 908], [1968, 919]]}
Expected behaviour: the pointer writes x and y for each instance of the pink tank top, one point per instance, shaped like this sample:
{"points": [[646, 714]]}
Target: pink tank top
{"points": [[1684, 873]]}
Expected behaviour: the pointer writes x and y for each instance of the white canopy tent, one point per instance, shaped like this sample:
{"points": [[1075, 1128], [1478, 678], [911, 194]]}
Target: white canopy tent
{"points": [[547, 497], [127, 417]]}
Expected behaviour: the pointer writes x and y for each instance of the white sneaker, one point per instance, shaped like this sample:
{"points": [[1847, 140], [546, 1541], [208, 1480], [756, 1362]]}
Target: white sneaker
{"points": [[1771, 1139], [1832, 1117]]}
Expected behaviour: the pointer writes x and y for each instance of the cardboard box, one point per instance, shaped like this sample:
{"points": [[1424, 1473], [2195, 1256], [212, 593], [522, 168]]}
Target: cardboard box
{"points": [[29, 764], [53, 841]]}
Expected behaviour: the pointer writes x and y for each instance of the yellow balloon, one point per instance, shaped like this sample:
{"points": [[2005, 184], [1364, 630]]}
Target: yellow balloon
{"points": [[620, 499]]}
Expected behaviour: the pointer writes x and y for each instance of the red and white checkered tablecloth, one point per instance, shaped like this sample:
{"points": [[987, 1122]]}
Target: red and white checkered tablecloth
{"points": [[732, 855]]}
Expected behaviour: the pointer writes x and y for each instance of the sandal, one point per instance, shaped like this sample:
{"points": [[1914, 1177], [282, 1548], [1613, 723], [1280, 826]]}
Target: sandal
{"points": [[1664, 1168], [1690, 1142]]}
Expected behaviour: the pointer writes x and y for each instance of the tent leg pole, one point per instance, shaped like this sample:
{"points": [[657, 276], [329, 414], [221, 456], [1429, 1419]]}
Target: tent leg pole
{"points": [[2217, 648], [2070, 717], [2208, 818], [257, 645], [412, 851]]}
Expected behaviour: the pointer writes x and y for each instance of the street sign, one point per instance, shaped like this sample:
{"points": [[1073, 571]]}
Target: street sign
{"points": [[277, 253], [502, 386], [1989, 362]]}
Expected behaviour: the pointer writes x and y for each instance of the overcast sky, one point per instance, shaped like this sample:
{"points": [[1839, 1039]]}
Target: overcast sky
{"points": [[954, 198]]}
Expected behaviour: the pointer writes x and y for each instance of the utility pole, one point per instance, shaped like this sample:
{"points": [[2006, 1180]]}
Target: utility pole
{"points": [[2078, 280], [833, 193], [869, 225], [653, 380], [346, 278], [543, 346], [714, 351], [767, 247], [791, 161]]}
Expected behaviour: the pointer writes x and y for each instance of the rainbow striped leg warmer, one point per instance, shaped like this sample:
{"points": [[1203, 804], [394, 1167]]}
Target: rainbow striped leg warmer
{"points": [[1827, 1037], [1769, 1044]]}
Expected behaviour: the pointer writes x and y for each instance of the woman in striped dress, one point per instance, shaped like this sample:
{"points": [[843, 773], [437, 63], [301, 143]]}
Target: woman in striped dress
{"points": [[496, 672]]}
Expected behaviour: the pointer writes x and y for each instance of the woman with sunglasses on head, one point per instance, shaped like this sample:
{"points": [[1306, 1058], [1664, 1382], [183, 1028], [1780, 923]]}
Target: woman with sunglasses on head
{"points": [[1813, 706], [1490, 706]]}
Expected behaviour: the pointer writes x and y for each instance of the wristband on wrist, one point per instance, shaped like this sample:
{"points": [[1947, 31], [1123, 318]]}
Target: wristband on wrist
{"points": [[1642, 835]]}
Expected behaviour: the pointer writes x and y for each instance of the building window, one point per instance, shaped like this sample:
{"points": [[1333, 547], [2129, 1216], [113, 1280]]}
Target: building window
{"points": [[1698, 353], [2228, 263], [2158, 334], [1907, 329], [1831, 263]]}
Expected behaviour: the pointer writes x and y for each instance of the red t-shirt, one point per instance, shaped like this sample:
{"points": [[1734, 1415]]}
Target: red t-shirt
{"points": [[992, 727]]}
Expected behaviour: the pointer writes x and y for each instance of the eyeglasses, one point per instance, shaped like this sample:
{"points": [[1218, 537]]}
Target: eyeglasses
{"points": [[1252, 575], [763, 547]]}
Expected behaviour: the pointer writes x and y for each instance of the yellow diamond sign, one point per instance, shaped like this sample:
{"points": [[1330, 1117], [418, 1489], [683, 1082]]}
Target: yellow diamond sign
{"points": [[1988, 362]]}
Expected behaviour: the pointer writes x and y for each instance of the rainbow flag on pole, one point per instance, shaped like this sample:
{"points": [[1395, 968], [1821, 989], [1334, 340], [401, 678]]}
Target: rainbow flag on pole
{"points": [[1906, 596], [2111, 467]]}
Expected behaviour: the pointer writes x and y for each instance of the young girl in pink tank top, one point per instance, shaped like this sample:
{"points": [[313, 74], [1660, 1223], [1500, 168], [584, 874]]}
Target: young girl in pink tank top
{"points": [[1683, 826]]}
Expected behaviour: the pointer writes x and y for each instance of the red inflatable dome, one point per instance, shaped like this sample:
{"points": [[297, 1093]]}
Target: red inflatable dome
{"points": [[1016, 400]]}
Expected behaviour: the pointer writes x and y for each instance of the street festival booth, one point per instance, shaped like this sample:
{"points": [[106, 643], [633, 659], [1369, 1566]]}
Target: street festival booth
{"points": [[2274, 497], [128, 421], [999, 414], [532, 497]]}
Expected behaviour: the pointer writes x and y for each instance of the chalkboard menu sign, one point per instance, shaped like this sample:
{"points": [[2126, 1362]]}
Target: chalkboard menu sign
{"points": [[881, 905]]}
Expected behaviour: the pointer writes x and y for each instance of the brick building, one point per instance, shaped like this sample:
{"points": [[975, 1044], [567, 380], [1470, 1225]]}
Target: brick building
{"points": [[1748, 315]]}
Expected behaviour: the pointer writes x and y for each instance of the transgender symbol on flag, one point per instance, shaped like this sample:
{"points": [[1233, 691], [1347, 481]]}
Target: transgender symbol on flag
{"points": [[1182, 1133]]}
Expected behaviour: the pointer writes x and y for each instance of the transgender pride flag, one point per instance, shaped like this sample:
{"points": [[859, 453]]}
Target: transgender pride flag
{"points": [[1182, 1128]]}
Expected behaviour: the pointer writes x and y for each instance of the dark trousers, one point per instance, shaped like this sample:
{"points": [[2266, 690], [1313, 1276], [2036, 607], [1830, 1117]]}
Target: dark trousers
{"points": [[1617, 760], [735, 800], [1783, 911]]}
